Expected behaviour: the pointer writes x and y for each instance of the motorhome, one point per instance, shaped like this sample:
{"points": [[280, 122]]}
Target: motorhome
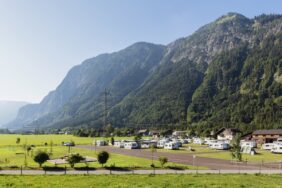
{"points": [[267, 146], [220, 146], [277, 148], [131, 145], [198, 141], [101, 143], [119, 144], [171, 145], [161, 143], [250, 143]]}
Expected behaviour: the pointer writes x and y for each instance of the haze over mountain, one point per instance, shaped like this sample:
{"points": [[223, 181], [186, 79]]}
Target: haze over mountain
{"points": [[9, 110], [228, 73]]}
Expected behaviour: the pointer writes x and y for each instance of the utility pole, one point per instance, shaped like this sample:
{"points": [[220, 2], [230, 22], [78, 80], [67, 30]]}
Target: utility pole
{"points": [[106, 93]]}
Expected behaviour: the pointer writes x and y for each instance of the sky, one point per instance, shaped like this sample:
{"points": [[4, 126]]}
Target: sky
{"points": [[40, 40]]}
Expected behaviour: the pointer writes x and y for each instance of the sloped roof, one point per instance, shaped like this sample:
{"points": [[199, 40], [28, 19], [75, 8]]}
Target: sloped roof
{"points": [[268, 131]]}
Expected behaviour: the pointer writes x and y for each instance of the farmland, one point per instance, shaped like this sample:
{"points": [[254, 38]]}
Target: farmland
{"points": [[152, 181]]}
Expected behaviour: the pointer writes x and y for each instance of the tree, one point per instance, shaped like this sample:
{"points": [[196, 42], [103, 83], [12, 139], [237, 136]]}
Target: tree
{"points": [[18, 141], [112, 141], [137, 138], [74, 158], [103, 157], [163, 161], [236, 148], [41, 157]]}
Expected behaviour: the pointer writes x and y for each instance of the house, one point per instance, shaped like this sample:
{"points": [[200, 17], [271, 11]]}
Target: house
{"points": [[179, 133], [155, 133], [266, 135], [227, 133], [143, 132]]}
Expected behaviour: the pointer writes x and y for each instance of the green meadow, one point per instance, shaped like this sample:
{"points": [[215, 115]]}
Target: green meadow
{"points": [[149, 181], [13, 155]]}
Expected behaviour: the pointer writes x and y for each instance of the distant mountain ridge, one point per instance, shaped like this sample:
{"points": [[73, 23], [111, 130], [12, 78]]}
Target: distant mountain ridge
{"points": [[9, 110], [152, 84]]}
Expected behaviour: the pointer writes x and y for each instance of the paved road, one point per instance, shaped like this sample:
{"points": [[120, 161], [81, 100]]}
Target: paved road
{"points": [[93, 172], [185, 158]]}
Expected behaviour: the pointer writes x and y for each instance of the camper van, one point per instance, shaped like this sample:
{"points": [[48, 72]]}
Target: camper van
{"points": [[220, 146], [198, 141], [101, 143], [119, 144], [277, 148], [267, 146], [251, 144], [161, 143], [130, 145], [171, 145]]}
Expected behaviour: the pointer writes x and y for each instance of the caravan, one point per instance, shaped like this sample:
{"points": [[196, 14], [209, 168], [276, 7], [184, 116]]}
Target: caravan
{"points": [[220, 146], [251, 144], [131, 145], [277, 148], [267, 146], [171, 145]]}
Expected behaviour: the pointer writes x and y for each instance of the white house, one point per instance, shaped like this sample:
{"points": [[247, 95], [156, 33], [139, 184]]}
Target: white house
{"points": [[227, 133], [101, 143]]}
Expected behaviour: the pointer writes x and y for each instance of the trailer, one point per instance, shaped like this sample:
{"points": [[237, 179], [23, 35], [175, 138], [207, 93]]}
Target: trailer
{"points": [[171, 146], [131, 145], [277, 148], [267, 146]]}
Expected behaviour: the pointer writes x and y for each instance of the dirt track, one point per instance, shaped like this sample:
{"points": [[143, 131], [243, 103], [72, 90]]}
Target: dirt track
{"points": [[182, 158]]}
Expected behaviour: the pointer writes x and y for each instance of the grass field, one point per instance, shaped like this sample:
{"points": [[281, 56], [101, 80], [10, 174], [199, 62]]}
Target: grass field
{"points": [[148, 181], [9, 158], [12, 155], [10, 139]]}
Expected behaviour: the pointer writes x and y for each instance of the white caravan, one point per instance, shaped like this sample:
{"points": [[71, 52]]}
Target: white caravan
{"points": [[251, 144], [171, 145], [267, 146], [161, 143], [220, 146], [277, 148], [130, 145], [119, 144]]}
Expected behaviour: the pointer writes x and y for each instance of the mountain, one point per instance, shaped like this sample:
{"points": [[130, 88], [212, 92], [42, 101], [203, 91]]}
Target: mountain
{"points": [[79, 97], [228, 73], [9, 110]]}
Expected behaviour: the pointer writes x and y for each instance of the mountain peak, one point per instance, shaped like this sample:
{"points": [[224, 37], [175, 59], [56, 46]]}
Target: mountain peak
{"points": [[231, 16]]}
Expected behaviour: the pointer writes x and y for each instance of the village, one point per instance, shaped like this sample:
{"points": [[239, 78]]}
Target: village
{"points": [[270, 140]]}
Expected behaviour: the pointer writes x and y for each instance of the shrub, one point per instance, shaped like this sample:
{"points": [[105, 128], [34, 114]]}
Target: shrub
{"points": [[41, 157], [103, 157]]}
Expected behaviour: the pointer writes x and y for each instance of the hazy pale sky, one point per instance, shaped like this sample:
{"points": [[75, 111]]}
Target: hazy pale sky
{"points": [[41, 40]]}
